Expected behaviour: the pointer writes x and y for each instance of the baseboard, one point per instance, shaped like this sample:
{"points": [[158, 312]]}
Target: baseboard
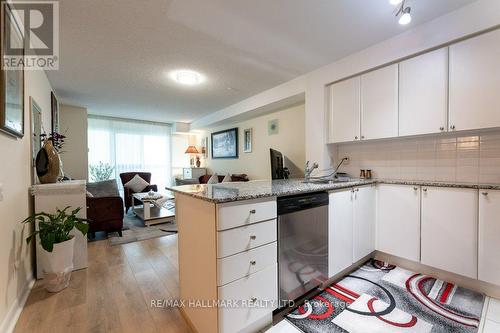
{"points": [[10, 320]]}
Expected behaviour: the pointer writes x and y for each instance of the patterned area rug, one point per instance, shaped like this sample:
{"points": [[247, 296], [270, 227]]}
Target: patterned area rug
{"points": [[381, 298]]}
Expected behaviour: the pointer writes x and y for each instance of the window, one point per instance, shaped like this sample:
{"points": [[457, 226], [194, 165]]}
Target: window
{"points": [[129, 145]]}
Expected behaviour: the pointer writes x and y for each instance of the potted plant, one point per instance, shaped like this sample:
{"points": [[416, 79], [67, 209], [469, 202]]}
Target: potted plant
{"points": [[57, 244]]}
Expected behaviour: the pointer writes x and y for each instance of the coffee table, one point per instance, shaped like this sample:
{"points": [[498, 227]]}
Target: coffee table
{"points": [[151, 214]]}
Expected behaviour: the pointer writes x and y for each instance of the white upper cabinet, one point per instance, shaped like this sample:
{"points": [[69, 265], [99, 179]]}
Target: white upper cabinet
{"points": [[379, 103], [423, 93], [363, 222], [474, 83], [489, 232], [449, 229], [398, 220], [345, 110]]}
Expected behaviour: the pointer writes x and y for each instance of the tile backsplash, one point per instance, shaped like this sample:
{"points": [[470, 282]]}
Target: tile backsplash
{"points": [[449, 158]]}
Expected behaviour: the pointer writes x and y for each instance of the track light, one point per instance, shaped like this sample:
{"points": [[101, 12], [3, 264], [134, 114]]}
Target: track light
{"points": [[404, 11]]}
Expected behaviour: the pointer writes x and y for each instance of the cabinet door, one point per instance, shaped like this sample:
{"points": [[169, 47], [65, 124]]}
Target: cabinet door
{"points": [[340, 221], [398, 220], [379, 103], [489, 236], [449, 229], [423, 93], [474, 80], [364, 222], [345, 110]]}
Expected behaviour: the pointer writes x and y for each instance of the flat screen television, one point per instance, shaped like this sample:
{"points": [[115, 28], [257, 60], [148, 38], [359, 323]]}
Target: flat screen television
{"points": [[278, 171]]}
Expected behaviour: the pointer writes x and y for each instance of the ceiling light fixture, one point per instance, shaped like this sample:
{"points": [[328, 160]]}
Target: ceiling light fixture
{"points": [[395, 2], [187, 77], [404, 11]]}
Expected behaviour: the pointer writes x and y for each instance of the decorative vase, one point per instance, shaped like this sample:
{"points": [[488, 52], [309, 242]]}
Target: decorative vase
{"points": [[58, 265], [48, 164], [198, 162]]}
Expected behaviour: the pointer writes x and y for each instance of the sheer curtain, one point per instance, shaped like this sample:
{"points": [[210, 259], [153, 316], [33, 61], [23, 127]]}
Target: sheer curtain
{"points": [[130, 145]]}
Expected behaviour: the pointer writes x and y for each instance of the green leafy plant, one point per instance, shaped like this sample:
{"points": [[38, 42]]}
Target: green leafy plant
{"points": [[101, 171], [55, 228]]}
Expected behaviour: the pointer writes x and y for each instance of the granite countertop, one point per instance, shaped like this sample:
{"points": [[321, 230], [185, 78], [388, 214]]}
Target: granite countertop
{"points": [[227, 192]]}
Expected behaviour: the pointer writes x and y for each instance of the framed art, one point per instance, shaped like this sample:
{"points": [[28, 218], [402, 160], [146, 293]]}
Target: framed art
{"points": [[12, 80], [225, 144], [247, 140], [54, 105]]}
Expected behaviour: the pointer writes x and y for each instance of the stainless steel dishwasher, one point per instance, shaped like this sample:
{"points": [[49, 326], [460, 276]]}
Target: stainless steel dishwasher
{"points": [[302, 244]]}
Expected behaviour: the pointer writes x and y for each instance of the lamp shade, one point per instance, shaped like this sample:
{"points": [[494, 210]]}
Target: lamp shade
{"points": [[192, 150]]}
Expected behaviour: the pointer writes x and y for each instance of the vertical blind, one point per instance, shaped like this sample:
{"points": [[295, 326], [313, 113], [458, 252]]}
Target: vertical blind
{"points": [[129, 145]]}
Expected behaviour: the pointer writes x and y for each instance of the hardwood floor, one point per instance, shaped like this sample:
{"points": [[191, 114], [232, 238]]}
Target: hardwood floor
{"points": [[113, 294]]}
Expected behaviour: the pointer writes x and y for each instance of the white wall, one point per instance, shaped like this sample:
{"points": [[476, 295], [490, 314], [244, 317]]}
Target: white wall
{"points": [[290, 141], [16, 258], [73, 124]]}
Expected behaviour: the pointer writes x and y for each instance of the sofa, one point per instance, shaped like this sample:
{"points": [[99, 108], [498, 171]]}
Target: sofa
{"points": [[204, 179], [104, 207]]}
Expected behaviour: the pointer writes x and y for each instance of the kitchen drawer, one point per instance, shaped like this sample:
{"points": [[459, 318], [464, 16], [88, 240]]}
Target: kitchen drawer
{"points": [[241, 239], [235, 214], [261, 287], [245, 263]]}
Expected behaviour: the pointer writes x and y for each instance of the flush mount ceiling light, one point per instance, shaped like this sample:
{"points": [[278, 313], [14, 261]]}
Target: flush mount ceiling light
{"points": [[403, 12], [186, 77]]}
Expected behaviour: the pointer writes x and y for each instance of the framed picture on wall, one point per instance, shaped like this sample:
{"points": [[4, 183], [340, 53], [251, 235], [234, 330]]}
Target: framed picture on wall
{"points": [[247, 140], [12, 79], [225, 144], [54, 105]]}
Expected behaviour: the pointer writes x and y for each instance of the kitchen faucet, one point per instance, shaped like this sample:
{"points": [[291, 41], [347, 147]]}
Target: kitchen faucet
{"points": [[309, 169]]}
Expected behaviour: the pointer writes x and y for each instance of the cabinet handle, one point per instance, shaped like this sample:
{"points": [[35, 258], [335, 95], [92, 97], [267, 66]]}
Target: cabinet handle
{"points": [[253, 262], [441, 128], [357, 190], [415, 188], [362, 137], [452, 127], [252, 211], [253, 237], [424, 189], [355, 138], [485, 193]]}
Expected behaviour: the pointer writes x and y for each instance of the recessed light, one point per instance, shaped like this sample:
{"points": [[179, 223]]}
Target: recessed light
{"points": [[187, 77], [395, 2]]}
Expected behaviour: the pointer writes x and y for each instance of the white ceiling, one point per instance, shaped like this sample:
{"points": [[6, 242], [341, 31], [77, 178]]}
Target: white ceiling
{"points": [[115, 53]]}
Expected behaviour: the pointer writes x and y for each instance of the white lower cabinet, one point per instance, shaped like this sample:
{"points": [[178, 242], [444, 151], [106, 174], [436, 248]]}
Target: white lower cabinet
{"points": [[257, 296], [489, 236], [351, 227], [340, 219], [449, 229], [363, 222], [398, 220]]}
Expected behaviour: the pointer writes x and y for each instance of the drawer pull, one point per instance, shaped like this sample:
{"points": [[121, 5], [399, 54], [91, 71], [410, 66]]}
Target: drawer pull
{"points": [[484, 193], [253, 262], [415, 188], [253, 237], [424, 189], [252, 211]]}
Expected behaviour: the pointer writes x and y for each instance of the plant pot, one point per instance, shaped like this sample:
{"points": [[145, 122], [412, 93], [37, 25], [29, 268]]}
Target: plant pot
{"points": [[48, 164], [58, 265]]}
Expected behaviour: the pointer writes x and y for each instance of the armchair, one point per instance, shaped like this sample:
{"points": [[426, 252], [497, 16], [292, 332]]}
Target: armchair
{"points": [[127, 193]]}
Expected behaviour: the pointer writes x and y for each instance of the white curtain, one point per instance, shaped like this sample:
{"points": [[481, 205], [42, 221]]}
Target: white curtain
{"points": [[130, 145]]}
